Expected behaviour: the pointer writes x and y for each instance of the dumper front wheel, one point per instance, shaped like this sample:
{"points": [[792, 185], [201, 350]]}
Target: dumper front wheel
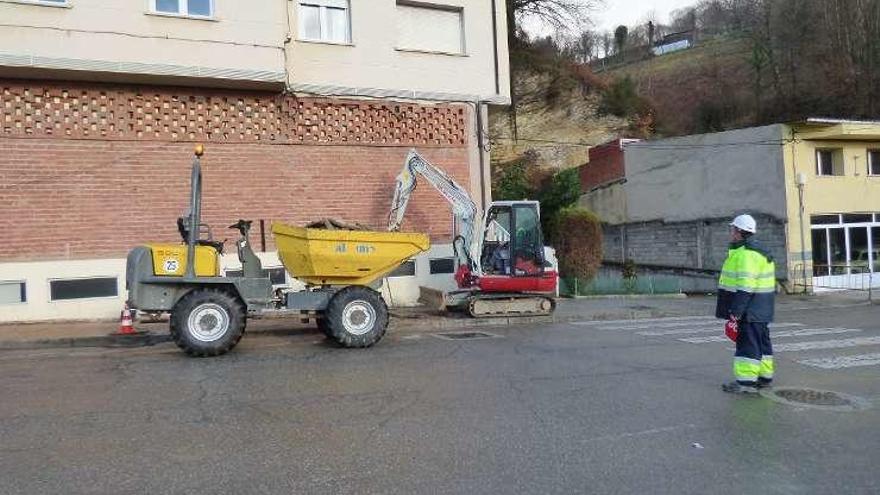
{"points": [[207, 322], [356, 317]]}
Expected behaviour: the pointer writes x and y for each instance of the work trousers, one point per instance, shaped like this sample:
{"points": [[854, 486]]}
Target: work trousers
{"points": [[753, 360]]}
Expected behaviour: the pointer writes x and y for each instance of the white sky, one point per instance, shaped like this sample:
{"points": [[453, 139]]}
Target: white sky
{"points": [[632, 12]]}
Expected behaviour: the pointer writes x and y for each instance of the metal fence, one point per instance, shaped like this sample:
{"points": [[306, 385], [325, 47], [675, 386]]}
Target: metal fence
{"points": [[835, 277], [607, 284]]}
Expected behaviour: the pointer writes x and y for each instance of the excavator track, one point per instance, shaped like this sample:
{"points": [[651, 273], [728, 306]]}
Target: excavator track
{"points": [[495, 305]]}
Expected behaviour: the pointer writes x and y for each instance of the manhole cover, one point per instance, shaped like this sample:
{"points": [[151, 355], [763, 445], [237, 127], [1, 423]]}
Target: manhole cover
{"points": [[465, 335], [821, 399]]}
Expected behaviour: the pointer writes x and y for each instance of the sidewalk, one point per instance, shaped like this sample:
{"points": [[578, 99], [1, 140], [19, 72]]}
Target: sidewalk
{"points": [[99, 333]]}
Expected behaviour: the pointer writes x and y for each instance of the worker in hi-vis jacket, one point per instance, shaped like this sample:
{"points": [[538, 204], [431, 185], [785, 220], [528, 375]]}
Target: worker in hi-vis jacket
{"points": [[746, 295]]}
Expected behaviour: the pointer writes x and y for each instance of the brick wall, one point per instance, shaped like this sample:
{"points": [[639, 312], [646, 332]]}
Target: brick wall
{"points": [[82, 176], [606, 164], [127, 112]]}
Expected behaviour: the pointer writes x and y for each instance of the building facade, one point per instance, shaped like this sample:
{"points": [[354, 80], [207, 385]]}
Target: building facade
{"points": [[306, 108], [813, 186]]}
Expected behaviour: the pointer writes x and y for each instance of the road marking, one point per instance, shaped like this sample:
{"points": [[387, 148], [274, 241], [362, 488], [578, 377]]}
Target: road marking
{"points": [[806, 332], [682, 331], [843, 361], [719, 328], [674, 324], [643, 433], [827, 344], [642, 320]]}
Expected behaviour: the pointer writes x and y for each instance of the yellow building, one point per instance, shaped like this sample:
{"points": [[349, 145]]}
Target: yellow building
{"points": [[833, 201]]}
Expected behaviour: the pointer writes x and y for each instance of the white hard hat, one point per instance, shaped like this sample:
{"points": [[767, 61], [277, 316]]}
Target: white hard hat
{"points": [[745, 223]]}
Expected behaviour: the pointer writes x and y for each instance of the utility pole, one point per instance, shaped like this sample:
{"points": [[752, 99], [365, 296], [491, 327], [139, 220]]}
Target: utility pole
{"points": [[801, 180]]}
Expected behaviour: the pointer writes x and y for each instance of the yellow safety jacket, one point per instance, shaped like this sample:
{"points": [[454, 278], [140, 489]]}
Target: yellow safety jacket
{"points": [[747, 286]]}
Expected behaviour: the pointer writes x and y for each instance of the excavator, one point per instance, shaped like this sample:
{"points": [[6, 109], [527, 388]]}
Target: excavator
{"points": [[503, 267]]}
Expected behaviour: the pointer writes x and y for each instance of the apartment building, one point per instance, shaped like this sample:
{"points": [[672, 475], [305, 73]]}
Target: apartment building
{"points": [[307, 109]]}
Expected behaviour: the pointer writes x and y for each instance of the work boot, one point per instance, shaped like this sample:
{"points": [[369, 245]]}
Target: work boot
{"points": [[738, 388], [764, 383]]}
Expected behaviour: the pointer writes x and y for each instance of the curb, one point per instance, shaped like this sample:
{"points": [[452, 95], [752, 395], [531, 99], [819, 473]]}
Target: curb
{"points": [[407, 324], [145, 339], [677, 295]]}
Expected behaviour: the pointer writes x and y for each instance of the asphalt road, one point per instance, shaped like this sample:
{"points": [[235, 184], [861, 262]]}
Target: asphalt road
{"points": [[586, 407]]}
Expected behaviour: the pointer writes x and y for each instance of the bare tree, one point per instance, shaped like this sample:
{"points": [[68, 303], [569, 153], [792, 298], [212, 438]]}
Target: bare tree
{"points": [[559, 15], [586, 46], [606, 45]]}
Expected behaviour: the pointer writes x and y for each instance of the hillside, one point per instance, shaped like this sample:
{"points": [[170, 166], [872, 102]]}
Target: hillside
{"points": [[706, 88], [709, 87], [556, 124]]}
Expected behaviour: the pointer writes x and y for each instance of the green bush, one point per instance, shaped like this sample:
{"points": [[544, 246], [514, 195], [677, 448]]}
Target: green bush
{"points": [[576, 233], [511, 181], [620, 98], [523, 178]]}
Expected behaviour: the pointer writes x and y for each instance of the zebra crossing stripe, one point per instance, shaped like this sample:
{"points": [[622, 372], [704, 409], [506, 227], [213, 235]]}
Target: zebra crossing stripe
{"points": [[843, 361], [716, 329], [806, 332], [682, 331], [671, 324], [644, 320], [826, 344]]}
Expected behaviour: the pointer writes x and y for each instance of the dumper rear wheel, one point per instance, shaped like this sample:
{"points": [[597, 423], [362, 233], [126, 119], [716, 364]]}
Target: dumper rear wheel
{"points": [[356, 317], [324, 327], [207, 322]]}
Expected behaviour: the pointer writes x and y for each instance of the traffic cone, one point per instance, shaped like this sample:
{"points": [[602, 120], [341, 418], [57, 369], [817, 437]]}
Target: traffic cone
{"points": [[126, 327]]}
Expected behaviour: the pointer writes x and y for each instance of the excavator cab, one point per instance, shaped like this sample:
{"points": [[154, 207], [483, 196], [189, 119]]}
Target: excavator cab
{"points": [[512, 244]]}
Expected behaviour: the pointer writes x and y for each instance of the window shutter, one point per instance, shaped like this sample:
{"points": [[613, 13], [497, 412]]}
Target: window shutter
{"points": [[430, 29]]}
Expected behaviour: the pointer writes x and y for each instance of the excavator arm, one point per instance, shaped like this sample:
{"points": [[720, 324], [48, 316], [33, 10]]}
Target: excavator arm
{"points": [[463, 208], [511, 293]]}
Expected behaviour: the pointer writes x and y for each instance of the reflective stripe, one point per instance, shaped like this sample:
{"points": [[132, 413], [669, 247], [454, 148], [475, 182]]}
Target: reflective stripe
{"points": [[767, 367], [734, 274], [745, 369]]}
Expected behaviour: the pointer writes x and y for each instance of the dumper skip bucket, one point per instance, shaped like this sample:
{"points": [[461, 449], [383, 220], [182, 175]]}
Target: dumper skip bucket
{"points": [[344, 257]]}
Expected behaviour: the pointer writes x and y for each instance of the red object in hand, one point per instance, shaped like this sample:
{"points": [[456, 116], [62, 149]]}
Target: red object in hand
{"points": [[731, 329]]}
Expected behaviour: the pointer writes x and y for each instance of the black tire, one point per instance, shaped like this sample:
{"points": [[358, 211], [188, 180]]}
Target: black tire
{"points": [[356, 317], [323, 326], [201, 307]]}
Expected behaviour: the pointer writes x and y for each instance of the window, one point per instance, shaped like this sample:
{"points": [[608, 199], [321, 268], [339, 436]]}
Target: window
{"points": [[407, 269], [50, 3], [829, 162], [857, 218], [442, 265], [824, 219], [848, 248], [192, 8], [324, 20], [83, 288], [873, 162], [820, 252], [12, 292], [430, 28]]}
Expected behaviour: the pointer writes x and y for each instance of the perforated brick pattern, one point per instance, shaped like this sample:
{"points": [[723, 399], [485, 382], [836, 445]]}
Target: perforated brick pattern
{"points": [[73, 111]]}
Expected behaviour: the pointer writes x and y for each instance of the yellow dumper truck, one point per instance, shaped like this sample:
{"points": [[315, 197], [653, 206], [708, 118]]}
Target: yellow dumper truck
{"points": [[342, 270]]}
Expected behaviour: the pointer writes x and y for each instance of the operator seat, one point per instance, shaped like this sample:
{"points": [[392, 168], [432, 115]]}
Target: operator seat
{"points": [[183, 228]]}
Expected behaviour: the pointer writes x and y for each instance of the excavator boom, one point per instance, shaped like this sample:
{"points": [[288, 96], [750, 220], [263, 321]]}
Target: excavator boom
{"points": [[463, 208]]}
